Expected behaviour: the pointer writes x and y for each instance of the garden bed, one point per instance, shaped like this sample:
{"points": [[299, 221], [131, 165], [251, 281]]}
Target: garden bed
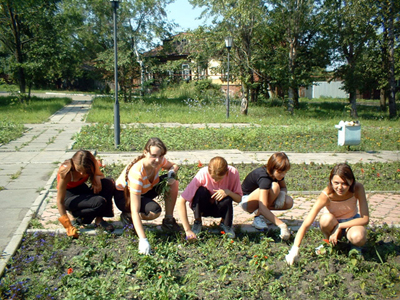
{"points": [[252, 266]]}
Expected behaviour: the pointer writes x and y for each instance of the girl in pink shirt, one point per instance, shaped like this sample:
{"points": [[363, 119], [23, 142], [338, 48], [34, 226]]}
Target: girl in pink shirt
{"points": [[210, 194]]}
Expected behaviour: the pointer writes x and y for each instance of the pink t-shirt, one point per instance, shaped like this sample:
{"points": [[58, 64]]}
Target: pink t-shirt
{"points": [[231, 181]]}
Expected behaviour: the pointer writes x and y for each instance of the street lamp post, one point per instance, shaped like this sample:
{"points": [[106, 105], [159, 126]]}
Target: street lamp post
{"points": [[228, 44], [115, 5]]}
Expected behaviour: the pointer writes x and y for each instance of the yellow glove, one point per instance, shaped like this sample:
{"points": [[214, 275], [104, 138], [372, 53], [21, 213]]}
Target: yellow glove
{"points": [[71, 230]]}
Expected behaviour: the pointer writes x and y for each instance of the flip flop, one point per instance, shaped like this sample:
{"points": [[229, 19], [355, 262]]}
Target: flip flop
{"points": [[106, 226]]}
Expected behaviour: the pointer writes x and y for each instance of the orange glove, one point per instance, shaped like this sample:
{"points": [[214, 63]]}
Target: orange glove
{"points": [[71, 230]]}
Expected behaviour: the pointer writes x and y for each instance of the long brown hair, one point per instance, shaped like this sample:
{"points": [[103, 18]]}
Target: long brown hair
{"points": [[345, 173], [150, 143], [278, 161], [81, 159]]}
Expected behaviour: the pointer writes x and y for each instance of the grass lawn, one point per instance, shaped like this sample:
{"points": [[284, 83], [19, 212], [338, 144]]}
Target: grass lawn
{"points": [[252, 266], [14, 114], [309, 129]]}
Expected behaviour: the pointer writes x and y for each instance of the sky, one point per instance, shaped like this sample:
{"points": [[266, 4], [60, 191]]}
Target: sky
{"points": [[182, 13]]}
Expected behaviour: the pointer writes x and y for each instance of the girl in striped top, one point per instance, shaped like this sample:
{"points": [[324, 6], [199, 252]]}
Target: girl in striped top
{"points": [[136, 189]]}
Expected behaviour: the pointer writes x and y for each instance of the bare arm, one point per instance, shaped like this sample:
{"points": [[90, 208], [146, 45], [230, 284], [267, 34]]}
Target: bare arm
{"points": [[319, 204], [98, 175], [282, 185], [223, 193], [61, 192], [135, 213], [182, 211], [170, 165]]}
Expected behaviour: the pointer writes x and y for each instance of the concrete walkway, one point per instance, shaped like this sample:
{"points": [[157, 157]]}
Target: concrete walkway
{"points": [[28, 167]]}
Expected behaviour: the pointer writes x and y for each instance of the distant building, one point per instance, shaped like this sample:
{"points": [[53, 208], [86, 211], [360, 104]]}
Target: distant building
{"points": [[174, 50], [332, 89]]}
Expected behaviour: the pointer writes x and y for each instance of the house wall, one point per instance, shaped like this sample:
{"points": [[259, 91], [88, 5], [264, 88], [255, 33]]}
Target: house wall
{"points": [[234, 87]]}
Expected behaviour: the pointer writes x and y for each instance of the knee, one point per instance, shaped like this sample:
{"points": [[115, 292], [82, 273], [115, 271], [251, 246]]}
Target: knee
{"points": [[357, 237], [175, 186], [288, 202], [327, 220], [99, 201]]}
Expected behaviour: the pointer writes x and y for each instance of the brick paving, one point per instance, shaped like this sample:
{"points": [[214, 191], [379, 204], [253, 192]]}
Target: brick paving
{"points": [[384, 208]]}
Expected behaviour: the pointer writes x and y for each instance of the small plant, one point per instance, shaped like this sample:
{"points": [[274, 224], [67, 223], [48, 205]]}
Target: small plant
{"points": [[250, 267], [16, 174]]}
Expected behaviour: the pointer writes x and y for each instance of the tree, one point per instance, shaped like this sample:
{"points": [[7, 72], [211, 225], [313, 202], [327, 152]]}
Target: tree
{"points": [[245, 21], [297, 24], [349, 26], [385, 23], [28, 34], [140, 23]]}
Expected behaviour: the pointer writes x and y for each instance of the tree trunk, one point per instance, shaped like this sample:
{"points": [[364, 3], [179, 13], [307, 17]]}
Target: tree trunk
{"points": [[296, 97], [271, 91], [353, 104], [392, 82], [382, 99], [15, 27], [244, 106], [21, 79]]}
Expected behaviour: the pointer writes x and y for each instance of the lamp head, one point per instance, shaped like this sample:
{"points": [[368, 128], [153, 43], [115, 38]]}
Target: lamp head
{"points": [[228, 42], [114, 3]]}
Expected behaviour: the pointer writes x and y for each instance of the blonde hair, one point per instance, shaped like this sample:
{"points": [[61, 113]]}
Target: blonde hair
{"points": [[218, 166], [150, 143]]}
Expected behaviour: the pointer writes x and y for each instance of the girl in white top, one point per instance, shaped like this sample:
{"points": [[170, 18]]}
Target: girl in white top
{"points": [[341, 216]]}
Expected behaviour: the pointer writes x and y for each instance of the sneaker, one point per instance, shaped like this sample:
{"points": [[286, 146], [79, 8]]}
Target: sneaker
{"points": [[126, 219], [170, 225], [259, 223], [228, 231], [197, 226]]}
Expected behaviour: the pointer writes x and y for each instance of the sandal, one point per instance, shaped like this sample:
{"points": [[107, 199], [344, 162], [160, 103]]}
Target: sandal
{"points": [[106, 226]]}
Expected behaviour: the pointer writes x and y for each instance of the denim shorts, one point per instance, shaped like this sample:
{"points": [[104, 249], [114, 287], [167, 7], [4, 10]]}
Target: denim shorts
{"points": [[243, 203], [356, 216]]}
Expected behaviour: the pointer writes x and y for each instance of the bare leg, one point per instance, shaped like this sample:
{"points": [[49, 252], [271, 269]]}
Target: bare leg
{"points": [[328, 222], [357, 235]]}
